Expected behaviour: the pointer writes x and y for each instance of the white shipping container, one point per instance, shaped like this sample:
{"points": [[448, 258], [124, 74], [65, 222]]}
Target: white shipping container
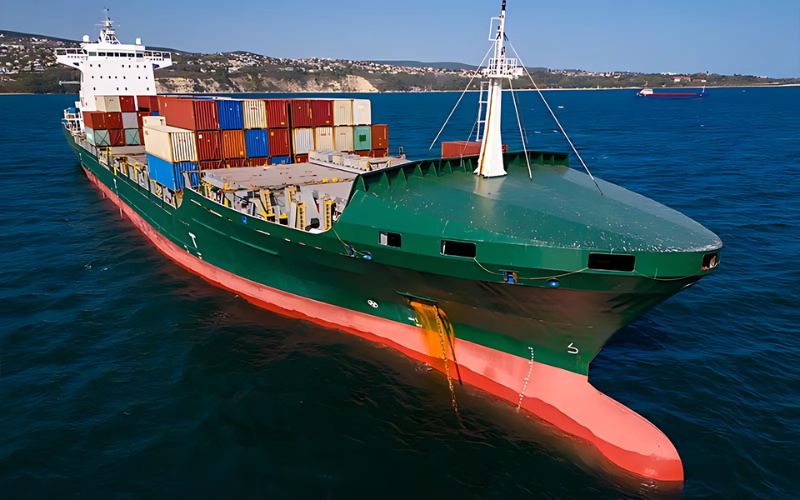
{"points": [[343, 112], [323, 139], [362, 112], [154, 121], [343, 138], [171, 144], [107, 103], [255, 113], [302, 140], [130, 120]]}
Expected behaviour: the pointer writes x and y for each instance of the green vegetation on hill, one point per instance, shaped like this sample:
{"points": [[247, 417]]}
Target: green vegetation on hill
{"points": [[27, 64]]}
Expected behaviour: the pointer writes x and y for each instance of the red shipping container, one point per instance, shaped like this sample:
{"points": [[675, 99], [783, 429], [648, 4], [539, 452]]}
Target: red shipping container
{"points": [[95, 120], [234, 163], [208, 145], [113, 120], [211, 164], [277, 113], [116, 137], [233, 145], [457, 149], [140, 117], [322, 113], [365, 154], [379, 153], [301, 113], [380, 137], [147, 103], [280, 142], [257, 162], [190, 114], [127, 103], [300, 158]]}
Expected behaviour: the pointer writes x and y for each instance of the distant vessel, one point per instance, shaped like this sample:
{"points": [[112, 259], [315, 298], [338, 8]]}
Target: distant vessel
{"points": [[649, 92], [507, 270]]}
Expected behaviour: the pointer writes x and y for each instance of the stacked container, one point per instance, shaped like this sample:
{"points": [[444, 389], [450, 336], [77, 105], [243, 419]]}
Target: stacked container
{"points": [[171, 151]]}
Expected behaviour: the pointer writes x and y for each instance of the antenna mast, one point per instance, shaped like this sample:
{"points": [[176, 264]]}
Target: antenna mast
{"points": [[500, 68]]}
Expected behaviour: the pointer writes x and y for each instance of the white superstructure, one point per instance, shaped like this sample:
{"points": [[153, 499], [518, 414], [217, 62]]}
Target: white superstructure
{"points": [[500, 68], [111, 68]]}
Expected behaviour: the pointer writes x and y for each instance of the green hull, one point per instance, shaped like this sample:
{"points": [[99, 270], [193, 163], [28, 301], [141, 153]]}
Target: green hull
{"points": [[567, 326]]}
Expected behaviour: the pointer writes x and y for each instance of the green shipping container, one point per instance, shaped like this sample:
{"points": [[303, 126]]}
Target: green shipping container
{"points": [[132, 137], [362, 138], [98, 138]]}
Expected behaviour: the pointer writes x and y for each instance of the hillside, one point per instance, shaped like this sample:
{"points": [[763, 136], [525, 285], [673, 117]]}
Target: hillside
{"points": [[27, 64]]}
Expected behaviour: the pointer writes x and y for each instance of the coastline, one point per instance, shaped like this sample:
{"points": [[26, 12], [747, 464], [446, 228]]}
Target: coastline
{"points": [[766, 85]]}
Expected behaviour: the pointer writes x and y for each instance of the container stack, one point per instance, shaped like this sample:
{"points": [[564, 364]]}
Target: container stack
{"points": [[255, 132], [171, 151], [117, 122]]}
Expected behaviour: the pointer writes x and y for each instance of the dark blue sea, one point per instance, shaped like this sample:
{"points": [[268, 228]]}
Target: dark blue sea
{"points": [[122, 376]]}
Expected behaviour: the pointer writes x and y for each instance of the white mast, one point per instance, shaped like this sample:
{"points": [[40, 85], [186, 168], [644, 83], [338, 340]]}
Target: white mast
{"points": [[500, 68]]}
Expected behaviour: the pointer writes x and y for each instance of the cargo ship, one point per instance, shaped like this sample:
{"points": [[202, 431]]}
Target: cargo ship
{"points": [[648, 92], [505, 270]]}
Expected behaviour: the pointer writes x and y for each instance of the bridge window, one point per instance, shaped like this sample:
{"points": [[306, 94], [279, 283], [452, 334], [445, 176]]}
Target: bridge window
{"points": [[92, 54], [390, 239], [102, 54], [458, 249], [608, 262]]}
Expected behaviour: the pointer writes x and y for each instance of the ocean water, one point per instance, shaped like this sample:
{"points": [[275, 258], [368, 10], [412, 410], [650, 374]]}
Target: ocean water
{"points": [[123, 376]]}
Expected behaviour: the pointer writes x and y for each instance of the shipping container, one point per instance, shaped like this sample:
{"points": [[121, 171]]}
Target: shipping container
{"points": [[209, 145], [277, 113], [127, 104], [323, 139], [211, 164], [301, 158], [362, 138], [233, 145], [257, 162], [116, 136], [380, 137], [255, 113], [235, 163], [230, 114], [379, 153], [94, 119], [302, 140], [300, 110], [130, 120], [107, 103], [343, 138], [280, 143], [170, 143], [140, 118], [256, 143], [153, 121], [147, 103], [164, 172], [192, 171], [113, 120], [362, 112], [280, 160], [98, 138], [132, 137], [191, 114], [321, 112], [343, 112]]}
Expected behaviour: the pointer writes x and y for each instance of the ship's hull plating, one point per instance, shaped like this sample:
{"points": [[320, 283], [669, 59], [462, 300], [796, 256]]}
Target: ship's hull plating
{"points": [[520, 347]]}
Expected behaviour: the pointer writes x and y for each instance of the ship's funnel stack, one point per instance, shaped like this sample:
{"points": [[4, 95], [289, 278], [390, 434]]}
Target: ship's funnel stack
{"points": [[499, 69]]}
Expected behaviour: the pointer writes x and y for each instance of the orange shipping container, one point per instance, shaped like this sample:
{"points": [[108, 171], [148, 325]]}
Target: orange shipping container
{"points": [[380, 137], [233, 145]]}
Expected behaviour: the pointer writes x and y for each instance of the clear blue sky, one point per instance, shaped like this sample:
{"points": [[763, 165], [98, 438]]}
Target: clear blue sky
{"points": [[730, 36]]}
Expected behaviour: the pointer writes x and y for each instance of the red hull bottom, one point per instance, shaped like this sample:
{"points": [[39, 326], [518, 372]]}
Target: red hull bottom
{"points": [[564, 399]]}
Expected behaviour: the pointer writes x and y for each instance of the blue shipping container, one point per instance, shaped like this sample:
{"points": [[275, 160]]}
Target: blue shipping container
{"points": [[256, 143], [231, 116], [171, 174], [280, 160], [193, 169], [164, 173], [155, 113]]}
